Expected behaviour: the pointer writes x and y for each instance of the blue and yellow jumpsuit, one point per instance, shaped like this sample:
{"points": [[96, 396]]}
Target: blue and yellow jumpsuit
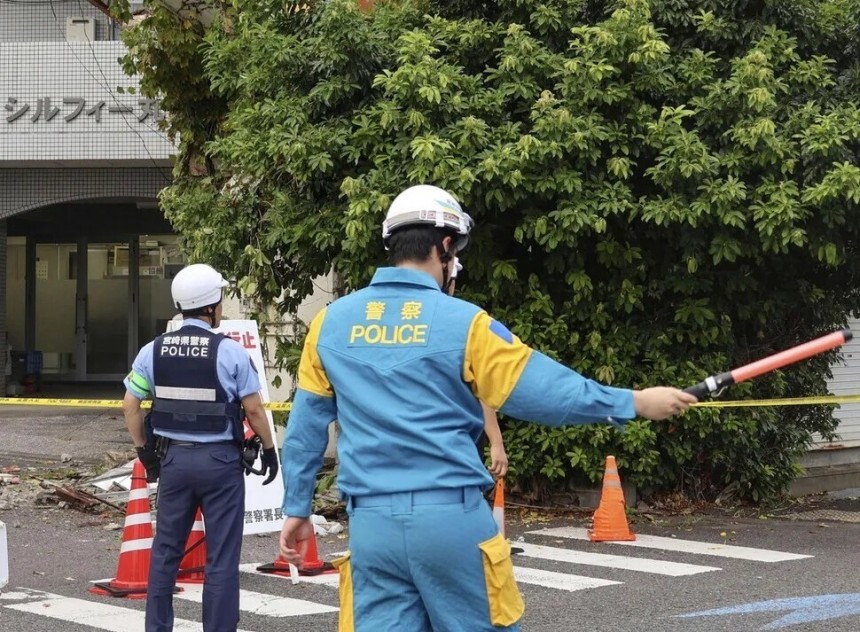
{"points": [[402, 367], [197, 379]]}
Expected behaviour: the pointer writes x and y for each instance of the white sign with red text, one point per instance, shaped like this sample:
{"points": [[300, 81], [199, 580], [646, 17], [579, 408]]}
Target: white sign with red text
{"points": [[262, 503]]}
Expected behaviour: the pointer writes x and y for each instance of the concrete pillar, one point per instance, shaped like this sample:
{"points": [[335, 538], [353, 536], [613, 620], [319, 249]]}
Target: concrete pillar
{"points": [[4, 334], [82, 287], [30, 295], [133, 298]]}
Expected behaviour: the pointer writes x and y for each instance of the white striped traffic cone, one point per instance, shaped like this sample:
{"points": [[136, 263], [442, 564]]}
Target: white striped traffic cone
{"points": [[132, 572], [499, 505]]}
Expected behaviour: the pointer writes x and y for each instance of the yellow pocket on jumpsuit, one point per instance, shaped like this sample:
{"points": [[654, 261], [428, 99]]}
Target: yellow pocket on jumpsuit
{"points": [[506, 603], [345, 620]]}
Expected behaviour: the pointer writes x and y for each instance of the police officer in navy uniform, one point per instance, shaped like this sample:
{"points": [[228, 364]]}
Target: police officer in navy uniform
{"points": [[403, 367], [200, 383]]}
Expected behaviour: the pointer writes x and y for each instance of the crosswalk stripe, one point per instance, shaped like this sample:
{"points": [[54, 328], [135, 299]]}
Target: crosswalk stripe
{"points": [[325, 579], [101, 615], [524, 575], [683, 546], [643, 565], [261, 603], [559, 581], [94, 614]]}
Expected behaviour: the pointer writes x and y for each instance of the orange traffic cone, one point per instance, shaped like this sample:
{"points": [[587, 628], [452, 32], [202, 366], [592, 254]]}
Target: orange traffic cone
{"points": [[132, 573], [499, 505], [499, 511], [312, 564], [192, 564], [279, 567], [610, 519]]}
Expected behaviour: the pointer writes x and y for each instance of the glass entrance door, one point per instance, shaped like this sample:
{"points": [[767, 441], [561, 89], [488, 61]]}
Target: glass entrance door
{"points": [[90, 306], [55, 331], [107, 309]]}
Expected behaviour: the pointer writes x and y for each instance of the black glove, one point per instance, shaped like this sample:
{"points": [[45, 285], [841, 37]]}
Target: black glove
{"points": [[149, 457], [270, 464]]}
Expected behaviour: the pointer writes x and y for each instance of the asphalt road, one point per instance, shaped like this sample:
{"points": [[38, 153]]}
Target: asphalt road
{"points": [[57, 552], [570, 585]]}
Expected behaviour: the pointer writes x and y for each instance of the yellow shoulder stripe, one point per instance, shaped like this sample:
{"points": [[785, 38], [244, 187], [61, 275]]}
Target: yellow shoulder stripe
{"points": [[312, 376], [494, 360]]}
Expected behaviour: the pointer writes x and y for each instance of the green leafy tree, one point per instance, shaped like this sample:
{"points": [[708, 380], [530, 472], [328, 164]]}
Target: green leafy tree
{"points": [[663, 190]]}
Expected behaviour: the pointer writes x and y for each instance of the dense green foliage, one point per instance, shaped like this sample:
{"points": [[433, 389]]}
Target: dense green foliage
{"points": [[663, 190]]}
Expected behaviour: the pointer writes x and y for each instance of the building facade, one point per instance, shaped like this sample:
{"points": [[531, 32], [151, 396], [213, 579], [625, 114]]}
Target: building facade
{"points": [[85, 254]]}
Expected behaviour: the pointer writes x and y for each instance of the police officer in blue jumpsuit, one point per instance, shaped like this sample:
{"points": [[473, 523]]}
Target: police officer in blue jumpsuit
{"points": [[402, 366], [200, 382]]}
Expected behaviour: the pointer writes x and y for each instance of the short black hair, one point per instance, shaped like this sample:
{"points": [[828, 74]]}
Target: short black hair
{"points": [[415, 243]]}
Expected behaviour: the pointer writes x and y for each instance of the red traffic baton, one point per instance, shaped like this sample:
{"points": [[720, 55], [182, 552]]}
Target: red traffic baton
{"points": [[713, 384]]}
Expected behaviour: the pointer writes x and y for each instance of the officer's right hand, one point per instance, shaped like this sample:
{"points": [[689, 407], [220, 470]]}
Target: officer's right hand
{"points": [[660, 402], [270, 464], [498, 461], [295, 539]]}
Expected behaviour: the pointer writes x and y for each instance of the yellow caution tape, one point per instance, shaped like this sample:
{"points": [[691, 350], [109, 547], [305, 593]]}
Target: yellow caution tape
{"points": [[69, 403], [286, 406], [788, 401], [101, 403]]}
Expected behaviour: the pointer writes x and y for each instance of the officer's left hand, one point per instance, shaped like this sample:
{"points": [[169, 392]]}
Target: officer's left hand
{"points": [[661, 402], [270, 464]]}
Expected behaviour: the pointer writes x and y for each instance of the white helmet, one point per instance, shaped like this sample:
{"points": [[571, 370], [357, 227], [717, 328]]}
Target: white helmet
{"points": [[196, 286], [426, 204]]}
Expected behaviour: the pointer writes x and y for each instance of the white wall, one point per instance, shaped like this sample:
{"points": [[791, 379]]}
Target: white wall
{"points": [[846, 381], [37, 20]]}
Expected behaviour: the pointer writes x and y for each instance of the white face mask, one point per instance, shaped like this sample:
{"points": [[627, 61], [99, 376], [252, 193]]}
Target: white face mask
{"points": [[458, 267]]}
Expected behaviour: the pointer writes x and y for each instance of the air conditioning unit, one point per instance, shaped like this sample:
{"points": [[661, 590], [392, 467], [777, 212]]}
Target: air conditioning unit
{"points": [[80, 29]]}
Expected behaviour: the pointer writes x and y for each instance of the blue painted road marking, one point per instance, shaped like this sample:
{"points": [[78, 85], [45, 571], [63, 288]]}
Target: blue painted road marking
{"points": [[803, 609]]}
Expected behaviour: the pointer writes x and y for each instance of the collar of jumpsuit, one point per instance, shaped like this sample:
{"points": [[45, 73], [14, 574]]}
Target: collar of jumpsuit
{"points": [[404, 275]]}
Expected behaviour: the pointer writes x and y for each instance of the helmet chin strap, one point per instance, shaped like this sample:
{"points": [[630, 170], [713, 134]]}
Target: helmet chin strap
{"points": [[446, 281], [210, 314], [445, 256]]}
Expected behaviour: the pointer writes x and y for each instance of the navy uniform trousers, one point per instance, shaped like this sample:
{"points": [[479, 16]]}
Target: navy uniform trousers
{"points": [[209, 476]]}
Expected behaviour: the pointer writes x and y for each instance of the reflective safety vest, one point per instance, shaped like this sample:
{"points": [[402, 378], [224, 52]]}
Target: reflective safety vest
{"points": [[188, 395]]}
